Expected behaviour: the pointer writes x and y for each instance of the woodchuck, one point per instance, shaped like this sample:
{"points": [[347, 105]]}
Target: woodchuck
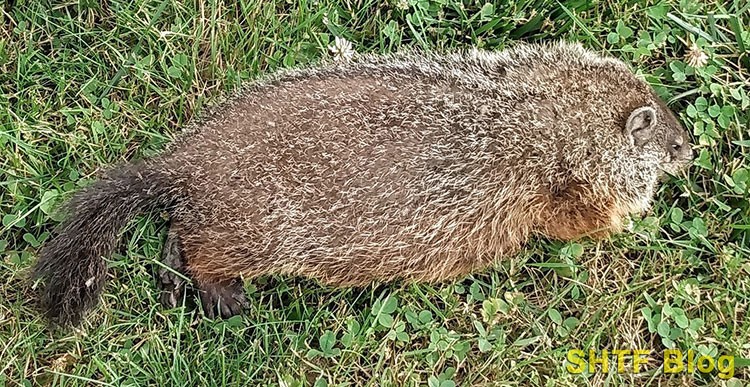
{"points": [[409, 166]]}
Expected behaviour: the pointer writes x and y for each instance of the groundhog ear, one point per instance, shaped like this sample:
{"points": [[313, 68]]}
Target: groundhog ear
{"points": [[640, 125]]}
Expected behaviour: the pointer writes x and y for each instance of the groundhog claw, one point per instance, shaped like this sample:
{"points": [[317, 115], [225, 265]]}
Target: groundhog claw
{"points": [[227, 298]]}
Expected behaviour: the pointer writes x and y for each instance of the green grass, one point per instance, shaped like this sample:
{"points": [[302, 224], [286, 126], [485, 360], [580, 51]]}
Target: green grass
{"points": [[83, 86]]}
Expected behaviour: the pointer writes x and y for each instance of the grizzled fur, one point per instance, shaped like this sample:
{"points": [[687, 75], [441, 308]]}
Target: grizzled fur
{"points": [[412, 166]]}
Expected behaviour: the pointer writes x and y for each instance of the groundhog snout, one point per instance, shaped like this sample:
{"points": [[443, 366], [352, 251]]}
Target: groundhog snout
{"points": [[681, 154], [689, 155]]}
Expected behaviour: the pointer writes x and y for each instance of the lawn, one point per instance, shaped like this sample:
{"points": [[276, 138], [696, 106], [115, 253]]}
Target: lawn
{"points": [[86, 84]]}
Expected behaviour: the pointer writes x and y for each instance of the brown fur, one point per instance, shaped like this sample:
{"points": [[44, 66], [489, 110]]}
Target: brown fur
{"points": [[420, 167]]}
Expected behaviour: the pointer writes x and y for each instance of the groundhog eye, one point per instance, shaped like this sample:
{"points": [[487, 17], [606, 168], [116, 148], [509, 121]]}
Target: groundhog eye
{"points": [[676, 146]]}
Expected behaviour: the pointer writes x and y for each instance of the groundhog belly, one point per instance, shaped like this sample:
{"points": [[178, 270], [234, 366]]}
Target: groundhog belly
{"points": [[349, 239]]}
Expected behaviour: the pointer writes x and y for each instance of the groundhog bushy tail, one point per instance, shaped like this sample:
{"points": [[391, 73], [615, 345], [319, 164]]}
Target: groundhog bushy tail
{"points": [[71, 265]]}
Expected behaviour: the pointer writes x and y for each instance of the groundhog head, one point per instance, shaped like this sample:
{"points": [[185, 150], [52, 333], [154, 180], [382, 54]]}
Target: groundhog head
{"points": [[654, 128]]}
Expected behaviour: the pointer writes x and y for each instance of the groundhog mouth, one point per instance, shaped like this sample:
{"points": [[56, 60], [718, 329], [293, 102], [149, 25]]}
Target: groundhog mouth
{"points": [[665, 172]]}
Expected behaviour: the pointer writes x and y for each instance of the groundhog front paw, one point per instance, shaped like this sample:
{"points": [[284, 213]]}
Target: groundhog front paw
{"points": [[224, 299]]}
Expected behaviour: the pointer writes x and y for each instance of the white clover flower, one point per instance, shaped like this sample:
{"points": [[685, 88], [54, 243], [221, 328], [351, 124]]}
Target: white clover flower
{"points": [[696, 57], [341, 49], [402, 4]]}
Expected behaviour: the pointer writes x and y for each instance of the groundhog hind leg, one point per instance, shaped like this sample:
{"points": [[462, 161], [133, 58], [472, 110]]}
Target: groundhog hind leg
{"points": [[223, 298], [171, 276], [216, 270]]}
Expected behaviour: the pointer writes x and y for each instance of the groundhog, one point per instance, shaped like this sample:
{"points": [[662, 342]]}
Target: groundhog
{"points": [[413, 166]]}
